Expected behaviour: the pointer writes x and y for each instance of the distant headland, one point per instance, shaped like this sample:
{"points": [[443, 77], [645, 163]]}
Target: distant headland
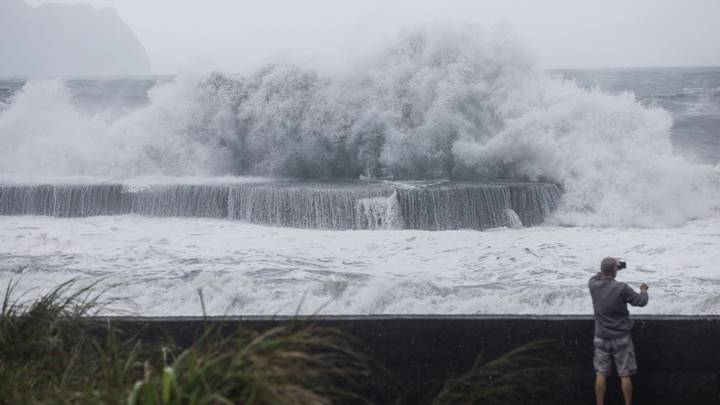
{"points": [[67, 40]]}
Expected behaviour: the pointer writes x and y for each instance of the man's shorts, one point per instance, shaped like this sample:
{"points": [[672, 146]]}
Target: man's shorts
{"points": [[619, 351]]}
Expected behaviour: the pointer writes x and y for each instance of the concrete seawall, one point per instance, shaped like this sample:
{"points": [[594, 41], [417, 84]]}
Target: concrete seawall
{"points": [[678, 357]]}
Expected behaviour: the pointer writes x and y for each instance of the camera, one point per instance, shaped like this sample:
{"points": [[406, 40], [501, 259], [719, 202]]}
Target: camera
{"points": [[621, 265]]}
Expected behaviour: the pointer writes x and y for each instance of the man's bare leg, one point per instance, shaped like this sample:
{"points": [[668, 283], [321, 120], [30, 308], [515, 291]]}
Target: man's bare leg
{"points": [[626, 384], [600, 388]]}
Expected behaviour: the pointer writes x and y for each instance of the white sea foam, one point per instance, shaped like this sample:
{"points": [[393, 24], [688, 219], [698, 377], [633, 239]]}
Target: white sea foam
{"points": [[243, 269], [442, 101]]}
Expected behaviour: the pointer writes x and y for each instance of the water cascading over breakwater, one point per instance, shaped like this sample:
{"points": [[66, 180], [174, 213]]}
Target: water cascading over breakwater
{"points": [[313, 205], [64, 200], [465, 205]]}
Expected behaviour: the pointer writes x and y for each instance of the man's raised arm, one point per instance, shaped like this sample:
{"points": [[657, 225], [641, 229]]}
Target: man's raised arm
{"points": [[635, 299]]}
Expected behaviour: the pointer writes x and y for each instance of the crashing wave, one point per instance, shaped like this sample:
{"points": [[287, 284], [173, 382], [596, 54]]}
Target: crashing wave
{"points": [[442, 102]]}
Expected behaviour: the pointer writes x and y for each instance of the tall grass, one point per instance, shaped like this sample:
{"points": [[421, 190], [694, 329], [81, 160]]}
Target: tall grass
{"points": [[301, 364], [52, 352], [529, 371]]}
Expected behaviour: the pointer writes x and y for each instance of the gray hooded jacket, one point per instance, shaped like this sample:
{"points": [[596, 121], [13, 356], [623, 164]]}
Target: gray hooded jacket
{"points": [[610, 299]]}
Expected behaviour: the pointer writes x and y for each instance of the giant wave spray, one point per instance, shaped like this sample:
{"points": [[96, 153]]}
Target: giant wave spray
{"points": [[441, 102]]}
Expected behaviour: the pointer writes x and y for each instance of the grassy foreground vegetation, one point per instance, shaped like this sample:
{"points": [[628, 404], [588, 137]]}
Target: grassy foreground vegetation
{"points": [[52, 351]]}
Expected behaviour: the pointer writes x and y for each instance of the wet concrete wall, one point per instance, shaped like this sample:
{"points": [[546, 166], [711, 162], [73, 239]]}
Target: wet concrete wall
{"points": [[678, 357]]}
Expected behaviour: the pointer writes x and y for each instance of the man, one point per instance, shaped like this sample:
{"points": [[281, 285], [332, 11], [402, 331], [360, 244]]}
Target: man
{"points": [[613, 343]]}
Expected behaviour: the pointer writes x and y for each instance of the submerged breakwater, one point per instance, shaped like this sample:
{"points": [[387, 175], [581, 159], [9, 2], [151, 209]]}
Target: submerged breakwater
{"points": [[298, 204]]}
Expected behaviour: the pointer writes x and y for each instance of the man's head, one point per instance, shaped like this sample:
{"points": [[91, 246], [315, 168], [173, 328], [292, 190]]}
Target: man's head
{"points": [[609, 266]]}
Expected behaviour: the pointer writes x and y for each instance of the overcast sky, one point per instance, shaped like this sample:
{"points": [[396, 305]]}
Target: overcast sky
{"points": [[236, 35]]}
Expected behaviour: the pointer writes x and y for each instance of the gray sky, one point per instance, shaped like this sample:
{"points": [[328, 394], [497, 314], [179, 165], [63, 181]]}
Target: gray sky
{"points": [[236, 35]]}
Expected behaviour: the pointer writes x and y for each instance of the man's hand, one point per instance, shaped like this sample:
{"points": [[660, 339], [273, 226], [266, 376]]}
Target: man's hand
{"points": [[643, 287]]}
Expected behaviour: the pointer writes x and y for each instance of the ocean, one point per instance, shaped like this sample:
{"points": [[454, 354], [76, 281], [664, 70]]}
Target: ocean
{"points": [[690, 94], [444, 179]]}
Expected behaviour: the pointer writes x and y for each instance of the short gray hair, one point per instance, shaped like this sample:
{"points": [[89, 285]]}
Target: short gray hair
{"points": [[608, 265]]}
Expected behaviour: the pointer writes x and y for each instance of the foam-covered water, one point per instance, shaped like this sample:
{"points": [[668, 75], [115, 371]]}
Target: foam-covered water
{"points": [[440, 102], [244, 269]]}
